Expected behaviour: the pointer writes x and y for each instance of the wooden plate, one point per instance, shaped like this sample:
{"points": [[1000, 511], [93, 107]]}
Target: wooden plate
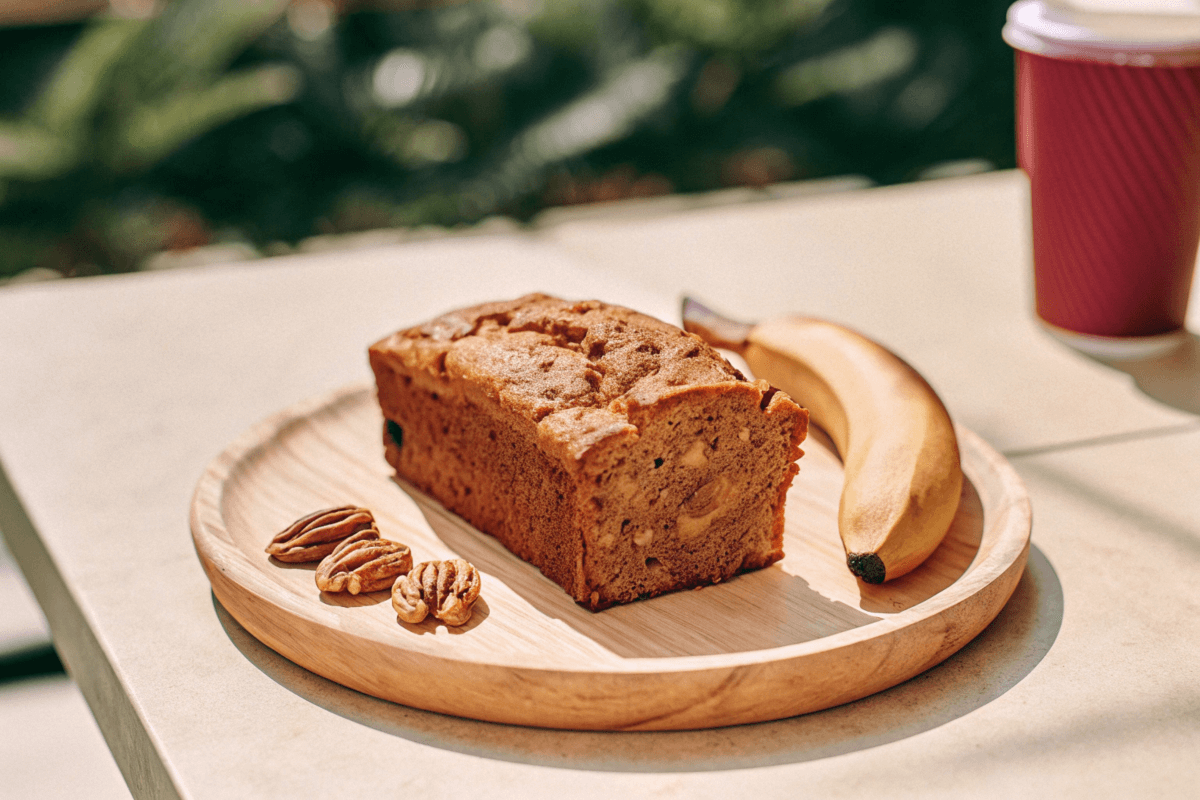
{"points": [[799, 636]]}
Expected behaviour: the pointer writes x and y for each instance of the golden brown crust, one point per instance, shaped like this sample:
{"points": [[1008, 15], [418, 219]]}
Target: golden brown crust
{"points": [[581, 434]]}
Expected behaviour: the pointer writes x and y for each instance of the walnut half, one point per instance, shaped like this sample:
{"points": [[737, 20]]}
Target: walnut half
{"points": [[363, 563], [313, 537], [447, 589]]}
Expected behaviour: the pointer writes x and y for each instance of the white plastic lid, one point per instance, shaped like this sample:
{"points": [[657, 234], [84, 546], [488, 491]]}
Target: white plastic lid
{"points": [[1141, 33]]}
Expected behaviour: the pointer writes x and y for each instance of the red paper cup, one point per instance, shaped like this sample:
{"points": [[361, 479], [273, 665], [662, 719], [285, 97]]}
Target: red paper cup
{"points": [[1108, 115]]}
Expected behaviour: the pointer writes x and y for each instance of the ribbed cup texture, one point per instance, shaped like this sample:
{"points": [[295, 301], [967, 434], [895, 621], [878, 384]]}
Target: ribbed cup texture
{"points": [[1113, 158]]}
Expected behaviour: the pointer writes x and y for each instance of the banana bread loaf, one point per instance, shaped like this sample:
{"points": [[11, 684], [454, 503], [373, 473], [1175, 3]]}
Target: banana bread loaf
{"points": [[620, 455]]}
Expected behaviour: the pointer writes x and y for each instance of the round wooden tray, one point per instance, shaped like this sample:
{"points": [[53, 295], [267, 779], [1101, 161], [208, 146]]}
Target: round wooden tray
{"points": [[799, 636]]}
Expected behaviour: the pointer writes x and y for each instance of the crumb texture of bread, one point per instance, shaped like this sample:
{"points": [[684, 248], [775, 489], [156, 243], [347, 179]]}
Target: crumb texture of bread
{"points": [[617, 453]]}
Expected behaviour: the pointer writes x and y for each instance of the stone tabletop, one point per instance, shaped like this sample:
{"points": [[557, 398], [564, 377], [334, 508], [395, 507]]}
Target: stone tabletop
{"points": [[117, 391]]}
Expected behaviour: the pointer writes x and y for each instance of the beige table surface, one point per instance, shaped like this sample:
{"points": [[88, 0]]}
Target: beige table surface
{"points": [[116, 392]]}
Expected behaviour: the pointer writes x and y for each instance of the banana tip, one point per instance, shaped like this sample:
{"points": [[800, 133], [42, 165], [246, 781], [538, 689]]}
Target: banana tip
{"points": [[867, 566]]}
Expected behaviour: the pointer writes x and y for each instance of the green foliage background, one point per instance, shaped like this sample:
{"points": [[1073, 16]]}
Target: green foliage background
{"points": [[265, 122]]}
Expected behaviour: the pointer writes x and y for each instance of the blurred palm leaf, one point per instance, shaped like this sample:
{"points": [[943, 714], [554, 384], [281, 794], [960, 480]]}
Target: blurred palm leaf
{"points": [[273, 120], [131, 91]]}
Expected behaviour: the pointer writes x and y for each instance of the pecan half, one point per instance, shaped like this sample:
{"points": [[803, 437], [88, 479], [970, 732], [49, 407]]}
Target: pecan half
{"points": [[363, 563], [313, 537], [408, 600], [447, 589]]}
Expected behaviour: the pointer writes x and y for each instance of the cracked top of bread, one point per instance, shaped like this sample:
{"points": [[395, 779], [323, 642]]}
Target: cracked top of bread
{"points": [[617, 453], [580, 371]]}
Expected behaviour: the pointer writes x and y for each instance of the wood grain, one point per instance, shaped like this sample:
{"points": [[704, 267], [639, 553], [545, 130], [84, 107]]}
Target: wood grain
{"points": [[799, 636]]}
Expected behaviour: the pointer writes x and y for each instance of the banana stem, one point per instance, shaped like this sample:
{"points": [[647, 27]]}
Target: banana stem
{"points": [[713, 328]]}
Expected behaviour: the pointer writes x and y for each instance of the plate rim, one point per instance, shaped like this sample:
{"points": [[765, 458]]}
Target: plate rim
{"points": [[1008, 553]]}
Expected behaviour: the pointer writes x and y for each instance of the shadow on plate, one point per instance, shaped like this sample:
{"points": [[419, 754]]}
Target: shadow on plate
{"points": [[788, 610], [987, 667]]}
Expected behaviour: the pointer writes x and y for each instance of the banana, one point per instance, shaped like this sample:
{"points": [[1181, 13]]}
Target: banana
{"points": [[903, 476]]}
